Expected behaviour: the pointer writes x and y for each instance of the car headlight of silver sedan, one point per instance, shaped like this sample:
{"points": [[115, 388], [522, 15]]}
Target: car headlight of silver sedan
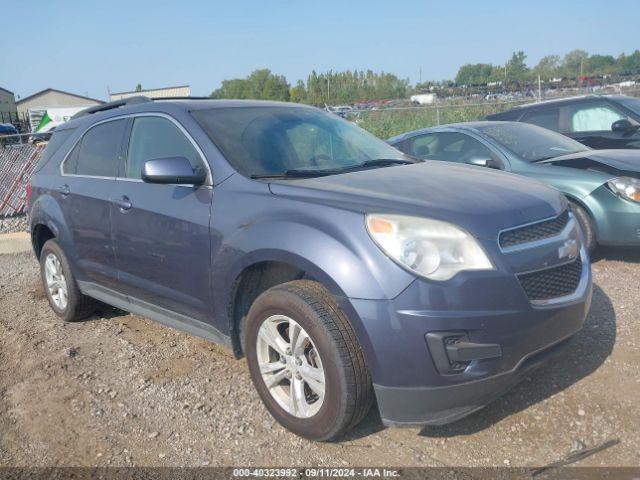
{"points": [[626, 187], [433, 249]]}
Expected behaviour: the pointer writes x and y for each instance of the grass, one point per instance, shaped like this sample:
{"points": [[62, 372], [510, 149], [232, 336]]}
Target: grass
{"points": [[390, 122]]}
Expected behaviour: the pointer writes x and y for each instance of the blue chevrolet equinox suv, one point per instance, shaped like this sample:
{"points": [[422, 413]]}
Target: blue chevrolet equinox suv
{"points": [[343, 270]]}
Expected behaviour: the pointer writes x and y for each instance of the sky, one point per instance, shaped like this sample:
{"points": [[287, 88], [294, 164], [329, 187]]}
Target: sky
{"points": [[90, 47]]}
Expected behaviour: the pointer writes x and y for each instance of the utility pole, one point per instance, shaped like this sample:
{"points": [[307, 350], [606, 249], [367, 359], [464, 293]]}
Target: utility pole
{"points": [[420, 75], [539, 90]]}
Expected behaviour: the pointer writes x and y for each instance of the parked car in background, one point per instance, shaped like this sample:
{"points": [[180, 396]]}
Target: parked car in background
{"points": [[598, 121], [6, 134], [341, 268], [603, 186]]}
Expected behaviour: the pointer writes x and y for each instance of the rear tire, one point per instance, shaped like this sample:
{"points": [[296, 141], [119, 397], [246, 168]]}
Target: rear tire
{"points": [[586, 224], [60, 286], [342, 395]]}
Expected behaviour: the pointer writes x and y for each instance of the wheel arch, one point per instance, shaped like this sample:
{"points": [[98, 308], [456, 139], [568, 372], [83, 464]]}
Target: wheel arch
{"points": [[47, 218], [262, 272]]}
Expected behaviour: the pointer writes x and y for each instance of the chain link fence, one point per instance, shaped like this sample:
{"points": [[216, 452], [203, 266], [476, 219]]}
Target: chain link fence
{"points": [[17, 162]]}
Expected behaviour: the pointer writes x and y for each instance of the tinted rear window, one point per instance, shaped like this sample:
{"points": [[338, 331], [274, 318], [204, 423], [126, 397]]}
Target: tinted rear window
{"points": [[96, 154], [546, 118]]}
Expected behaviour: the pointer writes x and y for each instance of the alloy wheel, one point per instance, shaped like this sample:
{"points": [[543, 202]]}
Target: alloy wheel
{"points": [[56, 282], [290, 366]]}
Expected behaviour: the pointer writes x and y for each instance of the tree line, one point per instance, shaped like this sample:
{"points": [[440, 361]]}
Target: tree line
{"points": [[331, 87], [574, 65], [352, 86]]}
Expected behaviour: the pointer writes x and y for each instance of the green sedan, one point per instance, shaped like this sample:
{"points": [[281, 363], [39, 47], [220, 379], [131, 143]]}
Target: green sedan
{"points": [[603, 186]]}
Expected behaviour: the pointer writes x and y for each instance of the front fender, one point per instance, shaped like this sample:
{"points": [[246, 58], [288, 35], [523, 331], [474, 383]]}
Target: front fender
{"points": [[350, 266]]}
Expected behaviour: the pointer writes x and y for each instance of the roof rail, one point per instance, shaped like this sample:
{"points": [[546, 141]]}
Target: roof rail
{"points": [[111, 105]]}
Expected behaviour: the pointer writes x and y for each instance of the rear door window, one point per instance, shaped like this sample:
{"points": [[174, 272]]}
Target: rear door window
{"points": [[546, 118], [96, 154], [593, 117], [153, 138]]}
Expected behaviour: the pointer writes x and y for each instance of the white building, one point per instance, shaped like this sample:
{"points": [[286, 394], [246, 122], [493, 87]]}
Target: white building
{"points": [[179, 91]]}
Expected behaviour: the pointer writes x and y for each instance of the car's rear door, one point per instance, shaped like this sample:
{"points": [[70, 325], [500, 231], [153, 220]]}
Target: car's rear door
{"points": [[161, 232], [84, 191]]}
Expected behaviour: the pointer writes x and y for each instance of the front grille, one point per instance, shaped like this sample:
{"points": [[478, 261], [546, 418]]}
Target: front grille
{"points": [[552, 282], [536, 231]]}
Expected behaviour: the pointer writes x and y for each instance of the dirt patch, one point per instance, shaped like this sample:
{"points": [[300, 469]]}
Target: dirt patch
{"points": [[119, 390]]}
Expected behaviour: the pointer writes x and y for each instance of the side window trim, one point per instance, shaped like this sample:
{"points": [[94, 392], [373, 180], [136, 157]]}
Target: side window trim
{"points": [[124, 147], [121, 172], [78, 142]]}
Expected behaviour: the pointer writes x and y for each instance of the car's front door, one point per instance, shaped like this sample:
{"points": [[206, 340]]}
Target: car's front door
{"points": [[84, 192], [161, 232], [590, 123]]}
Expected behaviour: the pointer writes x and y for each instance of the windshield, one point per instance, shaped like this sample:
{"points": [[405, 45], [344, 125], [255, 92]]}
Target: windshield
{"points": [[531, 142], [271, 141], [632, 104]]}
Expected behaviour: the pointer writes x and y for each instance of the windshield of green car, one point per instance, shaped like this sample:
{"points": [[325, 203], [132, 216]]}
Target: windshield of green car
{"points": [[631, 103], [531, 142], [265, 141]]}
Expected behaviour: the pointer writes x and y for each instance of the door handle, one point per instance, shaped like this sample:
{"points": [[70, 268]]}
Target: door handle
{"points": [[64, 190], [124, 203]]}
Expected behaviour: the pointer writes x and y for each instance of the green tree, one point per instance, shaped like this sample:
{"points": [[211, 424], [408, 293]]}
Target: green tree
{"points": [[260, 84], [474, 74], [517, 68], [138, 87], [573, 63], [548, 67], [298, 94], [629, 64]]}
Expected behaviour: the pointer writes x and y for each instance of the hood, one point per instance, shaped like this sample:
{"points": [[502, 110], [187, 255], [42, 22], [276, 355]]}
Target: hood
{"points": [[614, 162], [480, 200]]}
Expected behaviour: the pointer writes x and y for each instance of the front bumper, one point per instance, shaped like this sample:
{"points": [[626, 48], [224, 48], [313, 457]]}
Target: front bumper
{"points": [[486, 309], [617, 220], [406, 406]]}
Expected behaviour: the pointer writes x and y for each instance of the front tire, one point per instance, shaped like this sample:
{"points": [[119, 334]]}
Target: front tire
{"points": [[586, 224], [60, 286], [305, 361]]}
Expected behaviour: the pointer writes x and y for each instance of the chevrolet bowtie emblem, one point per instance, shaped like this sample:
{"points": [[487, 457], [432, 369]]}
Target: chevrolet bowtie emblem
{"points": [[569, 250]]}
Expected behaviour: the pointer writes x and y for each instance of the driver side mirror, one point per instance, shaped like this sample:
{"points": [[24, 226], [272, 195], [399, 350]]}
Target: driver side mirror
{"points": [[623, 125], [485, 162], [172, 170]]}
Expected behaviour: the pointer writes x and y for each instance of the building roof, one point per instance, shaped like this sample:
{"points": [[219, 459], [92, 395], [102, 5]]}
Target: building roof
{"points": [[149, 90], [47, 90], [5, 90], [174, 91]]}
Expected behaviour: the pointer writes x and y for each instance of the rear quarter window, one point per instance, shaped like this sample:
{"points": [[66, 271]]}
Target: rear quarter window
{"points": [[58, 138]]}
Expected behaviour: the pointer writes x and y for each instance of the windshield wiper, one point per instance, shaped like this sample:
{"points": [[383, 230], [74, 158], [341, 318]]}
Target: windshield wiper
{"points": [[298, 173], [309, 173], [379, 162], [387, 161]]}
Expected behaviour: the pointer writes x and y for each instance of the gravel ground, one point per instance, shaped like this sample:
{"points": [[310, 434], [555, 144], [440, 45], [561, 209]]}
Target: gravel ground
{"points": [[18, 223], [119, 390]]}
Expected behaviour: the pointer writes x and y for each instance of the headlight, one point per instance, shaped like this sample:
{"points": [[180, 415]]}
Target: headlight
{"points": [[626, 187], [431, 248]]}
